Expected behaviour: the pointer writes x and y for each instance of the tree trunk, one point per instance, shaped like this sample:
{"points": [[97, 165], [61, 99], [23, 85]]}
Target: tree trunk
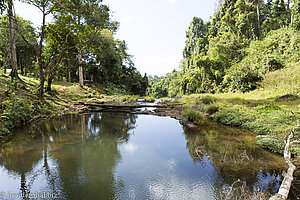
{"points": [[258, 18], [70, 76], [14, 71], [50, 79], [80, 69], [40, 89]]}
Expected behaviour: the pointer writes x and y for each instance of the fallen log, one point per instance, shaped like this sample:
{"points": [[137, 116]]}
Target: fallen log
{"points": [[111, 106], [286, 184]]}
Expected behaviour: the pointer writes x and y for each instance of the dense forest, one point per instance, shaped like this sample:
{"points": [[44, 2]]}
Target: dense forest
{"points": [[233, 51], [78, 45]]}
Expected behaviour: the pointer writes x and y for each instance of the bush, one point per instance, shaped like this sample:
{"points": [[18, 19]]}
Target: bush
{"points": [[211, 109], [114, 89], [129, 98], [192, 115], [206, 100], [275, 145], [16, 113], [234, 115], [149, 99]]}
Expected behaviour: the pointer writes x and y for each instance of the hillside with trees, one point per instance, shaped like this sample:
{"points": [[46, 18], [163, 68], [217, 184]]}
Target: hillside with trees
{"points": [[233, 51]]}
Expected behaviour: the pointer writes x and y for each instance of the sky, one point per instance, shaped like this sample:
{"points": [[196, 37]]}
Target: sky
{"points": [[153, 30]]}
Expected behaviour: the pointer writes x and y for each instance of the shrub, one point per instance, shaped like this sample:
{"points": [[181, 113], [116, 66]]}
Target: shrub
{"points": [[192, 115], [234, 115], [16, 113], [149, 99], [129, 98], [269, 142], [207, 99], [211, 109]]}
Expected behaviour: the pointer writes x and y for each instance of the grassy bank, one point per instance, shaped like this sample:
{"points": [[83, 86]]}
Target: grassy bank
{"points": [[19, 103], [265, 110]]}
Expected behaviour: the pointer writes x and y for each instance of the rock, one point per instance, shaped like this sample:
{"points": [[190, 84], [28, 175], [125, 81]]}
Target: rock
{"points": [[288, 97]]}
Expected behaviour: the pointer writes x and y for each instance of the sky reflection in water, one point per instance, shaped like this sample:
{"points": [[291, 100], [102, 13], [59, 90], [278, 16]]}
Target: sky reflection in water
{"points": [[124, 156]]}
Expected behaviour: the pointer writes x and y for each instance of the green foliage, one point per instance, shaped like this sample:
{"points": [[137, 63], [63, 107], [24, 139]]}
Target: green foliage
{"points": [[244, 41], [234, 115], [192, 115], [129, 98], [168, 85], [296, 15], [16, 113], [149, 99], [211, 109], [113, 89], [207, 99], [270, 121], [268, 142], [25, 52], [241, 78]]}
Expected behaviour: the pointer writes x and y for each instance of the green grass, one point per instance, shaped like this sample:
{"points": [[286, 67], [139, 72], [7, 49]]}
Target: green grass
{"points": [[260, 110], [149, 99], [192, 115], [19, 102], [129, 98]]}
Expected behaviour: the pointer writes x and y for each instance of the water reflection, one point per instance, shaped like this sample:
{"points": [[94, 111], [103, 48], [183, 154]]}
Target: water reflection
{"points": [[124, 156], [236, 156]]}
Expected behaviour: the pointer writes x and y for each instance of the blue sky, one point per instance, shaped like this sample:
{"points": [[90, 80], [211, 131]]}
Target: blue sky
{"points": [[153, 30]]}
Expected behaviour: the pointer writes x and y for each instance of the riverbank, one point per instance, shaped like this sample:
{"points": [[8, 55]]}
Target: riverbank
{"points": [[20, 105], [266, 111]]}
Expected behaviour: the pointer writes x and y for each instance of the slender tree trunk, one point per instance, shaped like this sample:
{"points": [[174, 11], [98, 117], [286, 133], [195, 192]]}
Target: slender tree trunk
{"points": [[70, 76], [80, 69], [40, 89], [258, 18], [14, 72]]}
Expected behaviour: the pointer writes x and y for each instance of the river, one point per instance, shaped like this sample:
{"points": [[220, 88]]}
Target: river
{"points": [[125, 156]]}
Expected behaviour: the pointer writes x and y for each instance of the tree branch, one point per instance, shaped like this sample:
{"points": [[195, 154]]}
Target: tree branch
{"points": [[284, 189]]}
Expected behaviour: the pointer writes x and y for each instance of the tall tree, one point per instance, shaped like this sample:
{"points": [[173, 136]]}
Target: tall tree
{"points": [[25, 52], [13, 51], [46, 8], [88, 17]]}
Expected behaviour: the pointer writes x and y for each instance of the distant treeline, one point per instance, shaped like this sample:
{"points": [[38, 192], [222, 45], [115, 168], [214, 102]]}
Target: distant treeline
{"points": [[243, 41]]}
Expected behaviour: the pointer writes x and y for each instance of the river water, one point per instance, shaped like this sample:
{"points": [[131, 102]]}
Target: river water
{"points": [[125, 156]]}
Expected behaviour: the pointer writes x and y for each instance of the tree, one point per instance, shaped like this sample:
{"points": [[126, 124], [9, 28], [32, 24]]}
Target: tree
{"points": [[46, 7], [25, 53], [296, 15], [14, 72], [87, 17], [2, 6]]}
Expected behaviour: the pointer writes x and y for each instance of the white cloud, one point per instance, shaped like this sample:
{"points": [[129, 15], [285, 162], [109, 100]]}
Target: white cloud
{"points": [[130, 148], [172, 1], [128, 19]]}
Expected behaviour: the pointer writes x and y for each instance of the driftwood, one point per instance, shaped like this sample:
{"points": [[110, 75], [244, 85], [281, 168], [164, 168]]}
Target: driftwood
{"points": [[284, 189], [125, 107], [36, 118]]}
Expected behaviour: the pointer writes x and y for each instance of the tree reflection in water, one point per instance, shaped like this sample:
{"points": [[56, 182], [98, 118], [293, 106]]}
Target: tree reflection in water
{"points": [[236, 156], [82, 171], [80, 157]]}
